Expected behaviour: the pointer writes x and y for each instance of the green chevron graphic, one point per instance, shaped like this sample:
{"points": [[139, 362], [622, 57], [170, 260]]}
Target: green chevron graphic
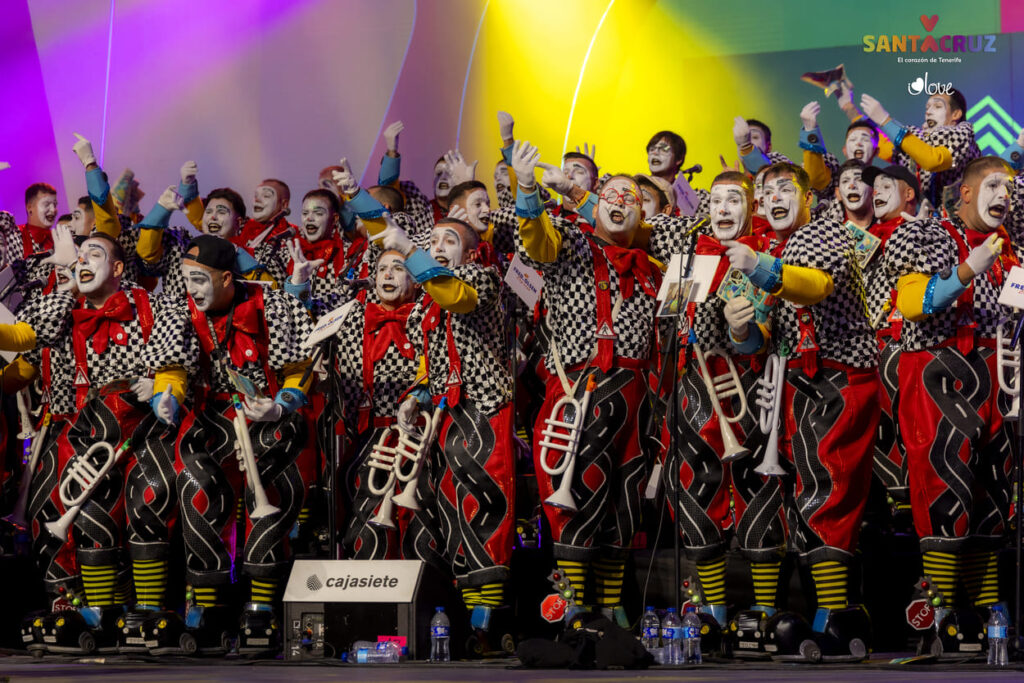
{"points": [[994, 129]]}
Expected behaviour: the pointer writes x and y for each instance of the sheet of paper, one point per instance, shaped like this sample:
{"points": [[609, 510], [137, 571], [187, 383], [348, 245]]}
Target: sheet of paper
{"points": [[686, 197], [525, 281]]}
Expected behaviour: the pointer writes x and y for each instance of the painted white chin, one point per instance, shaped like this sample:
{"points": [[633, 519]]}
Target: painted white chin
{"points": [[883, 207], [656, 164], [202, 303], [994, 215], [480, 223], [442, 189], [725, 229], [618, 220], [261, 212], [313, 232], [854, 200], [781, 217], [389, 292]]}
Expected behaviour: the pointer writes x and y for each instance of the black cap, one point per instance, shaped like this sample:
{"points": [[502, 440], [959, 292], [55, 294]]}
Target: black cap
{"points": [[894, 171], [214, 252]]}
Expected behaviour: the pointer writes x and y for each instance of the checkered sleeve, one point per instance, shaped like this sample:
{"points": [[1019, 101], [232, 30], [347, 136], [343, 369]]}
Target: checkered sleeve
{"points": [[50, 317], [416, 203], [272, 255], [506, 197], [10, 239], [172, 341], [671, 235], [919, 247], [486, 282], [289, 324], [777, 157], [1014, 222], [349, 364], [505, 225]]}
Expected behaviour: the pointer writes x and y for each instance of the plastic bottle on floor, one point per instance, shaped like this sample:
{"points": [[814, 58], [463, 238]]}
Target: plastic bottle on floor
{"points": [[997, 623], [368, 652], [671, 636], [439, 633], [650, 628], [691, 637]]}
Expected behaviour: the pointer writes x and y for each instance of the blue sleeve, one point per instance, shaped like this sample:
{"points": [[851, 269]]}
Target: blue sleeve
{"points": [[348, 218], [158, 217], [364, 205], [506, 154], [97, 185], [422, 394], [300, 292], [390, 167], [1014, 155], [768, 273], [290, 399], [423, 267], [155, 401], [245, 261], [188, 192], [940, 293], [528, 204], [752, 343], [895, 131], [588, 207], [754, 160], [812, 141]]}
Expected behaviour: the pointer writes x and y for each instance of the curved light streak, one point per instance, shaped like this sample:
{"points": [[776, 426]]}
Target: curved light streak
{"points": [[583, 67], [106, 85], [469, 67]]}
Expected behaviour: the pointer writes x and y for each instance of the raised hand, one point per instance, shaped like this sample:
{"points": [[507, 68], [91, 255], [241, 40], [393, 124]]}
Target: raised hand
{"points": [[394, 237], [83, 148], [170, 199], [345, 179], [985, 254], [741, 132], [554, 178], [525, 158], [65, 253], [460, 171], [589, 151], [302, 268], [873, 109], [458, 213], [391, 137], [809, 115], [922, 213], [742, 257], [505, 125], [189, 170]]}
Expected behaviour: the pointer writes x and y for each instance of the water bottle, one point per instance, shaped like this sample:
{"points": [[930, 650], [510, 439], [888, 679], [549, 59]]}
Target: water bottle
{"points": [[439, 630], [368, 652], [997, 623], [691, 636], [650, 626], [671, 635]]}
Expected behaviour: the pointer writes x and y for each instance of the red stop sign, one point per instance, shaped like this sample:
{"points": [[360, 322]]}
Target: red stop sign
{"points": [[920, 615], [552, 608]]}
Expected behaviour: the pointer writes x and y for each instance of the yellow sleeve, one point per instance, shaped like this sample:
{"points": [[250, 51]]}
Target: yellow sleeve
{"points": [[17, 337], [174, 375], [293, 377], [816, 168], [451, 294], [107, 220], [262, 275], [910, 296], [929, 158], [540, 239], [804, 286], [150, 246], [194, 213], [885, 148], [17, 375]]}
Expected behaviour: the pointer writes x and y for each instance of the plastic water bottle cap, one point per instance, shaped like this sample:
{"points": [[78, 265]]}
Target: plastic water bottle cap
{"points": [[672, 609], [439, 609], [648, 609]]}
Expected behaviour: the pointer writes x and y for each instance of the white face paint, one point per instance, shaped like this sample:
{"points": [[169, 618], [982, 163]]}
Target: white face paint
{"points": [[936, 112], [758, 139], [317, 218], [993, 199], [501, 177], [94, 266], [887, 201], [442, 180], [579, 173], [219, 218], [728, 206], [660, 158], [81, 221], [478, 206], [43, 210], [266, 203], [199, 285], [853, 191], [860, 145], [782, 202], [650, 204], [619, 206], [759, 196], [446, 245], [392, 283], [65, 278]]}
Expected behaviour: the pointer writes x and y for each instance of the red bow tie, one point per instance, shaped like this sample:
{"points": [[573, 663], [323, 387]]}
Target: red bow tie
{"points": [[240, 340], [103, 324], [386, 328], [885, 229], [1007, 259], [710, 246], [41, 238], [329, 249], [633, 266]]}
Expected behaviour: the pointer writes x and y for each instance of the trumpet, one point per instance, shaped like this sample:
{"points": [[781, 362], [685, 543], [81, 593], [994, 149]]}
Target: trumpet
{"points": [[769, 400], [17, 516], [720, 389], [25, 419], [389, 459], [88, 477], [1008, 358], [247, 463], [567, 442]]}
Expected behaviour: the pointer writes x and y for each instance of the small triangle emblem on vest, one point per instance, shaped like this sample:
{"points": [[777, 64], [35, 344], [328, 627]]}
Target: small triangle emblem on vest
{"points": [[81, 379], [454, 378], [605, 331], [806, 342], [366, 402]]}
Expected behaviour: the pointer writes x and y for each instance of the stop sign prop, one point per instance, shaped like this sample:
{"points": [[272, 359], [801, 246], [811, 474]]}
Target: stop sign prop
{"points": [[920, 615]]}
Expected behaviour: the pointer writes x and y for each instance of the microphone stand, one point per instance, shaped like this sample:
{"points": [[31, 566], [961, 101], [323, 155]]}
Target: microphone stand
{"points": [[325, 351], [1018, 468]]}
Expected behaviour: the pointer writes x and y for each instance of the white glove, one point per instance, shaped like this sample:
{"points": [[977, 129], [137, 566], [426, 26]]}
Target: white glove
{"points": [[83, 148], [302, 268], [588, 151], [4, 165], [65, 252], [394, 237], [554, 178], [165, 406], [391, 135], [460, 171], [741, 132], [345, 179], [739, 311], [985, 254], [262, 409], [505, 125], [809, 115], [458, 213], [922, 213], [143, 389], [189, 170], [845, 95], [742, 257], [873, 109], [408, 413], [525, 158], [170, 199]]}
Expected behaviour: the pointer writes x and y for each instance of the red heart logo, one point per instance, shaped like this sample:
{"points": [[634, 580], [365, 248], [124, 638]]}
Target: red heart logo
{"points": [[929, 22]]}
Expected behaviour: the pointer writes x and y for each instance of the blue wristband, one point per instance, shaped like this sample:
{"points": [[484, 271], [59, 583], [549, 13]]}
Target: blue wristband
{"points": [[365, 205], [390, 167], [768, 272], [940, 293], [752, 343], [290, 399], [300, 292], [895, 131], [155, 401], [588, 207], [158, 217], [506, 154], [812, 140], [1014, 155], [188, 192], [423, 267], [528, 204], [97, 185]]}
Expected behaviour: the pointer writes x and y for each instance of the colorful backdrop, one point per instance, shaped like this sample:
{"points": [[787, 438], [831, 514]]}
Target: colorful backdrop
{"points": [[257, 88]]}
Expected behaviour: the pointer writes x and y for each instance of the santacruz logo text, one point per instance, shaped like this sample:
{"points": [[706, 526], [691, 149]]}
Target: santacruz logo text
{"points": [[929, 43]]}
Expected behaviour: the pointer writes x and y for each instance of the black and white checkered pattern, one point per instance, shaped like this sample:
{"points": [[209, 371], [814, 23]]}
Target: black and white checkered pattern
{"points": [[480, 342], [172, 343], [1014, 222], [12, 253], [505, 223], [417, 205], [841, 327], [827, 196], [673, 235], [570, 291], [959, 140], [41, 314], [505, 197], [926, 247]]}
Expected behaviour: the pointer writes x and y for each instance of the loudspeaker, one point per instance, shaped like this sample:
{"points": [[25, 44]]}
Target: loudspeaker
{"points": [[330, 604]]}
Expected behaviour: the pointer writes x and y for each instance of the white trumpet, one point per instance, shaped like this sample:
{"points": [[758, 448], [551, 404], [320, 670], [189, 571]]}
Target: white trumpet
{"points": [[1008, 358], [247, 463], [769, 400], [390, 459], [27, 430], [88, 477], [721, 388], [17, 516], [566, 441]]}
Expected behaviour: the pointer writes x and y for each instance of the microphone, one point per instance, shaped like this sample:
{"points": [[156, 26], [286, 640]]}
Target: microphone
{"points": [[696, 168], [284, 235]]}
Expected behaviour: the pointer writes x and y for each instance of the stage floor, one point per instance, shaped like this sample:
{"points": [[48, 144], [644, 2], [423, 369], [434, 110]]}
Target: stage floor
{"points": [[118, 669]]}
